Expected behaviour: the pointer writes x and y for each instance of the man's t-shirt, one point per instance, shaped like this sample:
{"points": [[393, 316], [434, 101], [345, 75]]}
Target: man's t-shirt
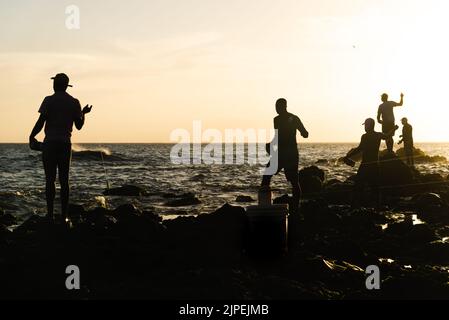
{"points": [[369, 146], [60, 111], [386, 110], [407, 135], [287, 124]]}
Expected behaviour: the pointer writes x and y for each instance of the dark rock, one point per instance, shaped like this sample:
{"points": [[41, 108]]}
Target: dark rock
{"points": [[311, 185], [420, 156], [432, 177], [400, 228], [394, 172], [215, 238], [241, 198], [331, 182], [428, 201], [188, 200], [171, 195], [322, 161], [339, 192], [126, 210], [151, 215], [135, 225], [4, 234], [317, 213], [311, 179], [420, 233], [76, 210], [284, 199], [431, 207], [7, 219], [312, 171], [126, 190], [362, 222]]}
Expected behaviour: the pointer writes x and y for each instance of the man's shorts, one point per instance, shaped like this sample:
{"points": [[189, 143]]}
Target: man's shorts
{"points": [[387, 127], [289, 161]]}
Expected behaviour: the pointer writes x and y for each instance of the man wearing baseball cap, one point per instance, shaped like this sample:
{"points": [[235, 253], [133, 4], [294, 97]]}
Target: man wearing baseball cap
{"points": [[58, 113], [368, 173]]}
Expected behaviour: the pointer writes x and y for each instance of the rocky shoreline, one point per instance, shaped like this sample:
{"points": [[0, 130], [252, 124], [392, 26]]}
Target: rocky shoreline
{"points": [[126, 253]]}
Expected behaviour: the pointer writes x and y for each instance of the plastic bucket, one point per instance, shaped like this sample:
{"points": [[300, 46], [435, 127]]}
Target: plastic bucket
{"points": [[267, 229]]}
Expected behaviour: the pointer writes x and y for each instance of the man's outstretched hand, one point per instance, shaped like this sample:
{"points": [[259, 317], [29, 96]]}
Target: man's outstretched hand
{"points": [[87, 109], [402, 95]]}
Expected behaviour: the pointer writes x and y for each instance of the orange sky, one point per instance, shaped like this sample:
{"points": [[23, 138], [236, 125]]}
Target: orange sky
{"points": [[150, 67]]}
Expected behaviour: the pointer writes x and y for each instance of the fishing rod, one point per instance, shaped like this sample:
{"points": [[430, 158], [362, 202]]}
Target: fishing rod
{"points": [[104, 168]]}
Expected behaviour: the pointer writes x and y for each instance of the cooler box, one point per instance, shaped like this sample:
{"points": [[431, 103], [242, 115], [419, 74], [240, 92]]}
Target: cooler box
{"points": [[267, 229]]}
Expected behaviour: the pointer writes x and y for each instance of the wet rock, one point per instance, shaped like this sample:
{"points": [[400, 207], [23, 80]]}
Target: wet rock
{"points": [[322, 162], [420, 156], [284, 199], [431, 207], [126, 190], [186, 200], [241, 198], [312, 171]]}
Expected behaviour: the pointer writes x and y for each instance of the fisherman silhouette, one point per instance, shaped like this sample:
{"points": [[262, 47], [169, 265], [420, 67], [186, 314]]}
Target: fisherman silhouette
{"points": [[368, 172], [58, 112], [286, 125], [385, 116], [407, 139]]}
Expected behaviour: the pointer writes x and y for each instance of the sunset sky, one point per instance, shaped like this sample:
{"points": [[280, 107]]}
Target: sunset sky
{"points": [[150, 67]]}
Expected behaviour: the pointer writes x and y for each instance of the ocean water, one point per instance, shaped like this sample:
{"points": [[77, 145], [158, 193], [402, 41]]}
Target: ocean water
{"points": [[22, 184]]}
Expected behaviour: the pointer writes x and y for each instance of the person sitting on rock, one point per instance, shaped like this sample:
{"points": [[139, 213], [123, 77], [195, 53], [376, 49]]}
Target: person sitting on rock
{"points": [[58, 113], [286, 124], [407, 139], [368, 172], [385, 116]]}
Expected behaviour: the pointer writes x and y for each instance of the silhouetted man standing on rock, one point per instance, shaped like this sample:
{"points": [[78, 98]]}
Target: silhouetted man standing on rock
{"points": [[385, 116], [58, 112], [407, 138], [368, 173], [286, 125]]}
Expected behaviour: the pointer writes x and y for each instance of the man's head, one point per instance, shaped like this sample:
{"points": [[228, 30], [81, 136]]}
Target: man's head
{"points": [[281, 105], [384, 97], [60, 82], [369, 125], [404, 121]]}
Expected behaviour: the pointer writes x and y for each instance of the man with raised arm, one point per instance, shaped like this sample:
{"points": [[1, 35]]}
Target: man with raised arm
{"points": [[385, 116]]}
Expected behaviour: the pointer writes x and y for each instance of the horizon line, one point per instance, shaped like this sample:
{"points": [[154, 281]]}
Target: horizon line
{"points": [[302, 142]]}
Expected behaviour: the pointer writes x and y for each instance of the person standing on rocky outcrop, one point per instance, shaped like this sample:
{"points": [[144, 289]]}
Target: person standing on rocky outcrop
{"points": [[58, 113], [407, 139], [385, 116], [286, 125], [368, 173]]}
